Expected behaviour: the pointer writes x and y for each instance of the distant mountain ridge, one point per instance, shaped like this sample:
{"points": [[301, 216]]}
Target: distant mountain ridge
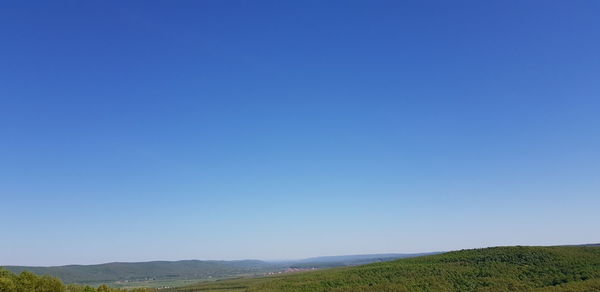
{"points": [[192, 269], [589, 244], [352, 260], [363, 257]]}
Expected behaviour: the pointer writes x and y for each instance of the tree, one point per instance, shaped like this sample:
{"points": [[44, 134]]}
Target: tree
{"points": [[104, 288], [7, 284]]}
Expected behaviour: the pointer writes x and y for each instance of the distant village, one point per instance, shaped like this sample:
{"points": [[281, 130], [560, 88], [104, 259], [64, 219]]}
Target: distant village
{"points": [[291, 270]]}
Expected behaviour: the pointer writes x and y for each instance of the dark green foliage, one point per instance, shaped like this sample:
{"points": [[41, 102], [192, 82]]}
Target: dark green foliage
{"points": [[572, 268]]}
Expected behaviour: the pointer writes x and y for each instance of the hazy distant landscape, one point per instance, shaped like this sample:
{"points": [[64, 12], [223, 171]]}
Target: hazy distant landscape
{"points": [[163, 273], [520, 268]]}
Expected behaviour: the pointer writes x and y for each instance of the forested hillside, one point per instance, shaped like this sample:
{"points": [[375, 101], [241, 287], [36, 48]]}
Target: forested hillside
{"points": [[572, 268], [555, 269]]}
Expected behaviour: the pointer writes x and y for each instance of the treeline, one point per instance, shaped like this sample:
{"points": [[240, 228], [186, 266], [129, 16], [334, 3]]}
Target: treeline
{"points": [[30, 282]]}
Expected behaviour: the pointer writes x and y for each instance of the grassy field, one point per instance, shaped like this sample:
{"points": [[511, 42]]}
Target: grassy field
{"points": [[572, 268]]}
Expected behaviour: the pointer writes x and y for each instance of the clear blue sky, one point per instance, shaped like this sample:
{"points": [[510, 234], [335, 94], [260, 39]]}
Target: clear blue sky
{"points": [[146, 130]]}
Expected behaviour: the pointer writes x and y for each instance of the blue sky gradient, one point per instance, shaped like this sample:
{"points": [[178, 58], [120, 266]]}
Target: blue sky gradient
{"points": [[161, 130]]}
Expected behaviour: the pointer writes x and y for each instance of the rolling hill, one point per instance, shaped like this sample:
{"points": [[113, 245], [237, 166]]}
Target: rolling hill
{"points": [[172, 273], [558, 268], [149, 271]]}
